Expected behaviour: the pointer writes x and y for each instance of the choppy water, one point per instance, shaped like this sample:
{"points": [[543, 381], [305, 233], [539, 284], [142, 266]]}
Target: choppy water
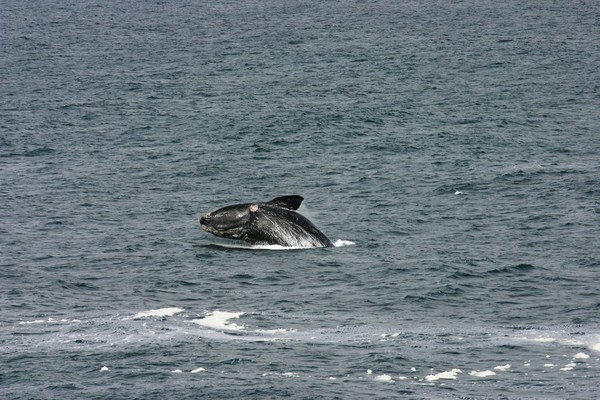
{"points": [[455, 144]]}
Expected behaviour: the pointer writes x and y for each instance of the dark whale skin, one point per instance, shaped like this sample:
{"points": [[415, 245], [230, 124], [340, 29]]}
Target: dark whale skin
{"points": [[271, 223]]}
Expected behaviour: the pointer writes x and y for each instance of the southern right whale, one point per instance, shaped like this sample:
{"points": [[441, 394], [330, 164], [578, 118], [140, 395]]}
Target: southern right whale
{"points": [[272, 222]]}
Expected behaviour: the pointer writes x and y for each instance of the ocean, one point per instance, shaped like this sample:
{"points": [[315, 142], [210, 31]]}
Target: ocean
{"points": [[450, 149]]}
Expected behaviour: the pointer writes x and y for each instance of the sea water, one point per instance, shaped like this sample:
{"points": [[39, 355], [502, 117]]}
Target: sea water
{"points": [[449, 149]]}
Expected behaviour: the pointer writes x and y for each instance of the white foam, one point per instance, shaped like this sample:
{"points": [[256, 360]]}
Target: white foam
{"points": [[482, 374], [544, 340], [159, 312], [341, 243], [502, 367], [177, 371], [592, 342], [274, 247], [302, 246], [444, 375], [337, 243], [274, 331], [243, 246], [37, 321], [550, 365], [384, 378], [286, 374], [49, 321], [569, 366], [104, 369], [581, 356], [220, 320], [197, 370]]}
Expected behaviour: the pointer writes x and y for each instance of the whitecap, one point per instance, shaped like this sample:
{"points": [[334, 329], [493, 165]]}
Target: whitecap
{"points": [[197, 370], [502, 367]]}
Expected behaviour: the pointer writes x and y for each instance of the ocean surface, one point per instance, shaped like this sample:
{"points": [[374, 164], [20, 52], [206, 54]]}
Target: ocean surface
{"points": [[451, 150]]}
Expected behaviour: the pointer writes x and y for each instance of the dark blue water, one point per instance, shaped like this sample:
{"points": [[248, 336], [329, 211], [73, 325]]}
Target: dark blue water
{"points": [[453, 148]]}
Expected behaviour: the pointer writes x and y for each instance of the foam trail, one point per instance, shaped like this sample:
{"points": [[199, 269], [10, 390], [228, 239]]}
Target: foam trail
{"points": [[341, 243]]}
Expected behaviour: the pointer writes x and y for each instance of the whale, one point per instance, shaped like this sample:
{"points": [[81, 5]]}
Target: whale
{"points": [[273, 222]]}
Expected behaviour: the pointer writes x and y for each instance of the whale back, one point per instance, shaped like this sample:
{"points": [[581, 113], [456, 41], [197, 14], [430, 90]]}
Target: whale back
{"points": [[276, 225]]}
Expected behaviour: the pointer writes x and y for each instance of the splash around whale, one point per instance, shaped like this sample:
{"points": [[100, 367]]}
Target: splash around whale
{"points": [[272, 223]]}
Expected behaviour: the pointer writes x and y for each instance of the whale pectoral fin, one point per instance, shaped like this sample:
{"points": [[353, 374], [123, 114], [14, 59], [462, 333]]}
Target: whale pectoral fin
{"points": [[290, 202]]}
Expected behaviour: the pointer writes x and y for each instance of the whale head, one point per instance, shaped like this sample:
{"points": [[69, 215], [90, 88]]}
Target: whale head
{"points": [[229, 222]]}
